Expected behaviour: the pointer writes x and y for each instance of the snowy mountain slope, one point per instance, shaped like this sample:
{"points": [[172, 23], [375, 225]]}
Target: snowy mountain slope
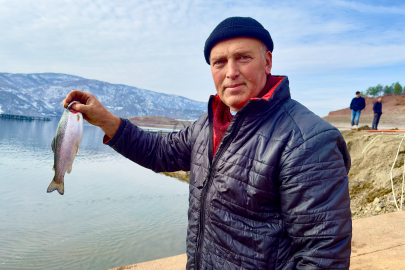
{"points": [[42, 94]]}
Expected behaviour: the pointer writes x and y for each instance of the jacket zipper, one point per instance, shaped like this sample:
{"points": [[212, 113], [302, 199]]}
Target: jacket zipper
{"points": [[221, 150]]}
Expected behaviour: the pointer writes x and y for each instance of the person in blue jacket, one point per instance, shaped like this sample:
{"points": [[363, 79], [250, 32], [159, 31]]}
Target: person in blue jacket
{"points": [[358, 103], [377, 108]]}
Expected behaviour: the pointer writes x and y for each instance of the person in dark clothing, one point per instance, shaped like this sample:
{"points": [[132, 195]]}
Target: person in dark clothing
{"points": [[377, 108], [358, 103], [268, 178]]}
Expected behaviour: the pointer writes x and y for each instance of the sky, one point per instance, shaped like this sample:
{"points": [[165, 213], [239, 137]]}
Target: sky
{"points": [[328, 49]]}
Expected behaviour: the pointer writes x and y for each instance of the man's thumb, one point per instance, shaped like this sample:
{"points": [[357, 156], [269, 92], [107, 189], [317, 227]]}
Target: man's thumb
{"points": [[80, 107]]}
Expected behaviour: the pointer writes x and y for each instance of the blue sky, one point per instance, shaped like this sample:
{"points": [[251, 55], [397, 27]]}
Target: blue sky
{"points": [[328, 49]]}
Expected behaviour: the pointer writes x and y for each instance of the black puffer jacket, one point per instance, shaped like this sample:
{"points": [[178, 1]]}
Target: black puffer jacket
{"points": [[377, 107], [358, 104], [274, 197]]}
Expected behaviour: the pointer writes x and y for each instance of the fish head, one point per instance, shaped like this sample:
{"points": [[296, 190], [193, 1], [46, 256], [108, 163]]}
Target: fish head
{"points": [[69, 107], [76, 116], [73, 114]]}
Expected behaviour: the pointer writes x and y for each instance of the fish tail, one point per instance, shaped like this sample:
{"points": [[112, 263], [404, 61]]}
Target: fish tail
{"points": [[60, 187]]}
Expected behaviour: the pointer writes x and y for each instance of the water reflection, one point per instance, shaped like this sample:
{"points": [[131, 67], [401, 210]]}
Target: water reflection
{"points": [[113, 213]]}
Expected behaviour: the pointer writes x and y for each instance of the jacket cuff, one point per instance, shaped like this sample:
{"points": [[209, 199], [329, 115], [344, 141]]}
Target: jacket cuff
{"points": [[111, 141]]}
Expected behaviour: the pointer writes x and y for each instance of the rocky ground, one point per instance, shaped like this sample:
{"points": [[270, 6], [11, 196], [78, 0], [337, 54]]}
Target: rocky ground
{"points": [[370, 175]]}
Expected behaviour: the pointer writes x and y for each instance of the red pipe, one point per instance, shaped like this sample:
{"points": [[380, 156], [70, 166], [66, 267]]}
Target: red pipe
{"points": [[402, 131]]}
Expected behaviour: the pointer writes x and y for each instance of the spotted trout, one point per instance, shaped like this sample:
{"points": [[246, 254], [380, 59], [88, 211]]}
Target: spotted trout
{"points": [[65, 146]]}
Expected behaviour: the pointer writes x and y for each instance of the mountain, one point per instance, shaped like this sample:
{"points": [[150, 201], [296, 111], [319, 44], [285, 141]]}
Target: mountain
{"points": [[42, 94]]}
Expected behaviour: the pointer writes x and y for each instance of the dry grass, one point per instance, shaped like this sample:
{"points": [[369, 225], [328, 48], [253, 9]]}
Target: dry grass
{"points": [[399, 101]]}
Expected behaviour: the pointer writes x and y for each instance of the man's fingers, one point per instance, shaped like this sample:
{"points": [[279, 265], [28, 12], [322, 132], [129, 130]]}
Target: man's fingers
{"points": [[92, 110], [78, 95], [71, 96], [80, 108]]}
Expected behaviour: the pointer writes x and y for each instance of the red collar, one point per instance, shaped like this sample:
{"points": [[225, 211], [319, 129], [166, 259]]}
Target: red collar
{"points": [[223, 117]]}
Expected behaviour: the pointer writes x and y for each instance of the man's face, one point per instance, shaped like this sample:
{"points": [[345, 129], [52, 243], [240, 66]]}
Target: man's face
{"points": [[379, 99], [357, 95], [238, 70]]}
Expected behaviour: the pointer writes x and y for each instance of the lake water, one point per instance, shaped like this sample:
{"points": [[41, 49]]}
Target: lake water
{"points": [[113, 213]]}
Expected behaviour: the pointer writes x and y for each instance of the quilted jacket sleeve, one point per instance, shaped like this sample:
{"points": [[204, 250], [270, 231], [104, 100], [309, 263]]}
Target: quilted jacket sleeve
{"points": [[315, 202], [158, 153]]}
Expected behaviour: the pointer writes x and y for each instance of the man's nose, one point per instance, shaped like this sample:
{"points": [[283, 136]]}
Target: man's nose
{"points": [[232, 70]]}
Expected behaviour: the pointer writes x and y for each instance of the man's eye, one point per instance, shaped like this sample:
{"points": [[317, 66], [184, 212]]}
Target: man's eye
{"points": [[244, 57], [218, 62]]}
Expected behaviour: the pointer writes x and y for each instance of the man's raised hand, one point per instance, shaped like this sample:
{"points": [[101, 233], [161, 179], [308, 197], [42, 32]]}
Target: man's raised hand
{"points": [[93, 111]]}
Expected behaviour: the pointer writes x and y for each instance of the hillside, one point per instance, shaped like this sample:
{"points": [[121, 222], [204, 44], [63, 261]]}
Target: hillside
{"points": [[42, 94], [159, 122], [393, 114]]}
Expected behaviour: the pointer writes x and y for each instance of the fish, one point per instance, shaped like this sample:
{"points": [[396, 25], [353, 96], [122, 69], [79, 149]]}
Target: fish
{"points": [[65, 146]]}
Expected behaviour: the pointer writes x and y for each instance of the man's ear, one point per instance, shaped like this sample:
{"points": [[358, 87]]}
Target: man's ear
{"points": [[268, 59]]}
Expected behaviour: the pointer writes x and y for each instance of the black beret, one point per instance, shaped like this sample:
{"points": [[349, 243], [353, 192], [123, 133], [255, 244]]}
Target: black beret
{"points": [[237, 27]]}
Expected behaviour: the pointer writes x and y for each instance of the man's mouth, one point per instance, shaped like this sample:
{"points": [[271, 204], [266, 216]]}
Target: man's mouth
{"points": [[233, 86]]}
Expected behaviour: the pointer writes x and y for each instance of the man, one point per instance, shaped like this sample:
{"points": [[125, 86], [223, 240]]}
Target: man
{"points": [[358, 103], [268, 178], [377, 108]]}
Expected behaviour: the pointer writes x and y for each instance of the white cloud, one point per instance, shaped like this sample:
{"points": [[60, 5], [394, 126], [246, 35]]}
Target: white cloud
{"points": [[368, 8], [158, 44]]}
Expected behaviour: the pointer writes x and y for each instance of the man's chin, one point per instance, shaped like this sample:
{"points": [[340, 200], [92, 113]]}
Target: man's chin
{"points": [[235, 103]]}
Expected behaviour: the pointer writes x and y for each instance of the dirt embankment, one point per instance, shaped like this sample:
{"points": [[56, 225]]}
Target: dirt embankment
{"points": [[370, 174], [393, 114], [159, 122], [180, 175]]}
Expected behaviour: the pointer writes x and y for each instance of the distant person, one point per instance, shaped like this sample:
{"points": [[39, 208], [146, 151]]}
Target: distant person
{"points": [[268, 178], [377, 108], [358, 103]]}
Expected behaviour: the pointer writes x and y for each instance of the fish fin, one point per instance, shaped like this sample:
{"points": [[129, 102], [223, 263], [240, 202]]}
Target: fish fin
{"points": [[60, 187], [53, 145], [69, 169], [53, 168], [77, 150]]}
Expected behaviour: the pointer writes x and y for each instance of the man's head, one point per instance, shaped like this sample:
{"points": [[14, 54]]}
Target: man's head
{"points": [[357, 94], [239, 53], [379, 99]]}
